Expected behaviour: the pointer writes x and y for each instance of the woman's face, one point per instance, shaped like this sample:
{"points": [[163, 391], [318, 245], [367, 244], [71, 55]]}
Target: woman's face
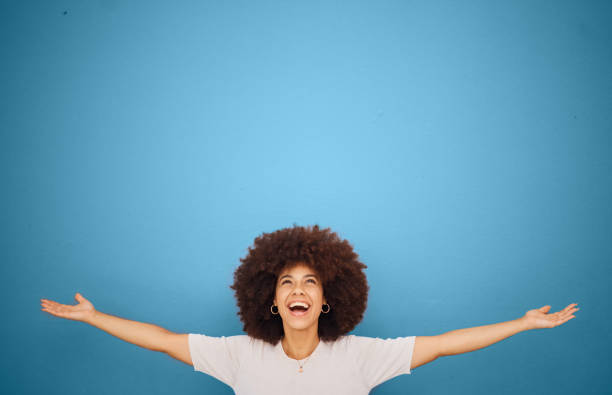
{"points": [[299, 284]]}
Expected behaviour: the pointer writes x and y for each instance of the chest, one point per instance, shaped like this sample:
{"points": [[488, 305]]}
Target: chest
{"points": [[320, 376]]}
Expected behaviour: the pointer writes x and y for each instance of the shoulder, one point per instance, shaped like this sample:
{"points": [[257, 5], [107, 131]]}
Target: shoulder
{"points": [[368, 339], [199, 340], [368, 344], [343, 344], [234, 338]]}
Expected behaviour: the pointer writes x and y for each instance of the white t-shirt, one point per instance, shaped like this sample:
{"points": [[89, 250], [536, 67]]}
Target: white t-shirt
{"points": [[350, 365]]}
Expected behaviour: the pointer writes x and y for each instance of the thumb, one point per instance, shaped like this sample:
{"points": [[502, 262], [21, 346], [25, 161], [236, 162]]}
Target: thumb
{"points": [[78, 297], [544, 309]]}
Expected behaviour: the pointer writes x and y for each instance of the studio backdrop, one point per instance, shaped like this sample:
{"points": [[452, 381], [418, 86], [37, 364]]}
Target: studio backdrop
{"points": [[463, 148]]}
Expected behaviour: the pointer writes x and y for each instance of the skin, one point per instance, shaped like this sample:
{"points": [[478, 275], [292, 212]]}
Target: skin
{"points": [[83, 311], [301, 333]]}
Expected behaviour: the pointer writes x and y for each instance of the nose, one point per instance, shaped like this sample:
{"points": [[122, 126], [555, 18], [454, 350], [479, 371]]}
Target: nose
{"points": [[298, 289]]}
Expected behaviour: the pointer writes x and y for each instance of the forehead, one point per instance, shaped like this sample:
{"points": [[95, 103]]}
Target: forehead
{"points": [[298, 270]]}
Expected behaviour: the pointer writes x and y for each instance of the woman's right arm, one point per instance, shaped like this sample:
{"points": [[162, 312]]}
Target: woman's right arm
{"points": [[149, 336]]}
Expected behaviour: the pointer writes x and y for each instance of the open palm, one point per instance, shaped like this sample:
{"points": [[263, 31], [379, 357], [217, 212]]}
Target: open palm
{"points": [[79, 312], [538, 318]]}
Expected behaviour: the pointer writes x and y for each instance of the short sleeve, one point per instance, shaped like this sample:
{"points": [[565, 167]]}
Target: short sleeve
{"points": [[379, 360], [218, 357]]}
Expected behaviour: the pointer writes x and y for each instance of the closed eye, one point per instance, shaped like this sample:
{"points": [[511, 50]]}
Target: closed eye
{"points": [[310, 279]]}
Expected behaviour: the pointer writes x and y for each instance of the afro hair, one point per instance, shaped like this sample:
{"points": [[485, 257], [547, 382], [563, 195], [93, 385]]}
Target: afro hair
{"points": [[344, 283]]}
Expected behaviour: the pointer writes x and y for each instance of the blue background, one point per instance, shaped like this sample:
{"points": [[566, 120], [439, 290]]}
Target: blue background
{"points": [[464, 149]]}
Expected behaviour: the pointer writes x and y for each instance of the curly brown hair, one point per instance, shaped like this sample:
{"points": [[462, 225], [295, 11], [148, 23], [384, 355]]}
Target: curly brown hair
{"points": [[344, 283]]}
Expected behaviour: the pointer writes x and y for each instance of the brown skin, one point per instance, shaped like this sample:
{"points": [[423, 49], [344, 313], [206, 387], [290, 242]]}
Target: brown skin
{"points": [[301, 333], [334, 260], [80, 312]]}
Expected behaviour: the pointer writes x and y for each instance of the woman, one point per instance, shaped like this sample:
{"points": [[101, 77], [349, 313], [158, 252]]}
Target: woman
{"points": [[300, 291]]}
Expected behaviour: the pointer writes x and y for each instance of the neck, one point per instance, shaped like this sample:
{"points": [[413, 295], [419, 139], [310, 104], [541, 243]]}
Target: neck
{"points": [[299, 344]]}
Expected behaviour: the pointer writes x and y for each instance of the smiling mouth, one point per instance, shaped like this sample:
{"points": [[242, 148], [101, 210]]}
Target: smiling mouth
{"points": [[298, 311]]}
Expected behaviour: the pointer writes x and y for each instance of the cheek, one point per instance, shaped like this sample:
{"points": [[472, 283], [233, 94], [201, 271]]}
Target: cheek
{"points": [[317, 295], [280, 295]]}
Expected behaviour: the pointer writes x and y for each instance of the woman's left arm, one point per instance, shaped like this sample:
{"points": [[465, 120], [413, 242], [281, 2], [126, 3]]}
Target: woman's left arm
{"points": [[429, 348], [470, 339]]}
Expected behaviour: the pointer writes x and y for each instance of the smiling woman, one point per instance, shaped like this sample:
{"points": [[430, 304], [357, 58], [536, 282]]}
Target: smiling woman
{"points": [[302, 260], [297, 307], [299, 292]]}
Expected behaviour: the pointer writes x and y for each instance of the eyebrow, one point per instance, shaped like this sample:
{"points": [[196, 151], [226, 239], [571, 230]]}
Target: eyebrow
{"points": [[289, 275]]}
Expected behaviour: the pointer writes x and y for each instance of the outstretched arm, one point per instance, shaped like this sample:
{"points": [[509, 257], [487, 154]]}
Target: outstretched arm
{"points": [[429, 348], [142, 334], [470, 339]]}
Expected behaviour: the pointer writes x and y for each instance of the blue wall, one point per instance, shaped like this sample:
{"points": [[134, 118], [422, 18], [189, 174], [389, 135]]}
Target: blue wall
{"points": [[465, 150]]}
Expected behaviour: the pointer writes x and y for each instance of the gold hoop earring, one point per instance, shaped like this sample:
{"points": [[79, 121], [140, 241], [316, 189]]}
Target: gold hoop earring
{"points": [[271, 309], [328, 308]]}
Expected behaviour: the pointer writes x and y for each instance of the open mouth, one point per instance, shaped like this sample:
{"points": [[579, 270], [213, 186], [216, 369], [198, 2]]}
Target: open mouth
{"points": [[299, 309]]}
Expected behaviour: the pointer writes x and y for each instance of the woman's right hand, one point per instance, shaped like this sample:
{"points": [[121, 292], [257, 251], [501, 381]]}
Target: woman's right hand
{"points": [[81, 312]]}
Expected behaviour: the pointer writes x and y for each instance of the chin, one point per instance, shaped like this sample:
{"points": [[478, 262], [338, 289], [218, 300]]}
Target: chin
{"points": [[299, 325]]}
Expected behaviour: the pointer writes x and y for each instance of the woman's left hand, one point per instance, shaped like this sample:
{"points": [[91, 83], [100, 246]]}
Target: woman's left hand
{"points": [[538, 318]]}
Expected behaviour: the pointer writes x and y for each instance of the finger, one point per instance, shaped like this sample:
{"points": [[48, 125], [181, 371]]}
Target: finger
{"points": [[571, 306], [565, 320], [51, 303], [58, 305], [49, 309], [53, 306], [59, 311], [52, 312], [569, 312]]}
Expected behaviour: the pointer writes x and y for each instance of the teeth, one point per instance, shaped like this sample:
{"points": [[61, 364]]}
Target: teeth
{"points": [[298, 304]]}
